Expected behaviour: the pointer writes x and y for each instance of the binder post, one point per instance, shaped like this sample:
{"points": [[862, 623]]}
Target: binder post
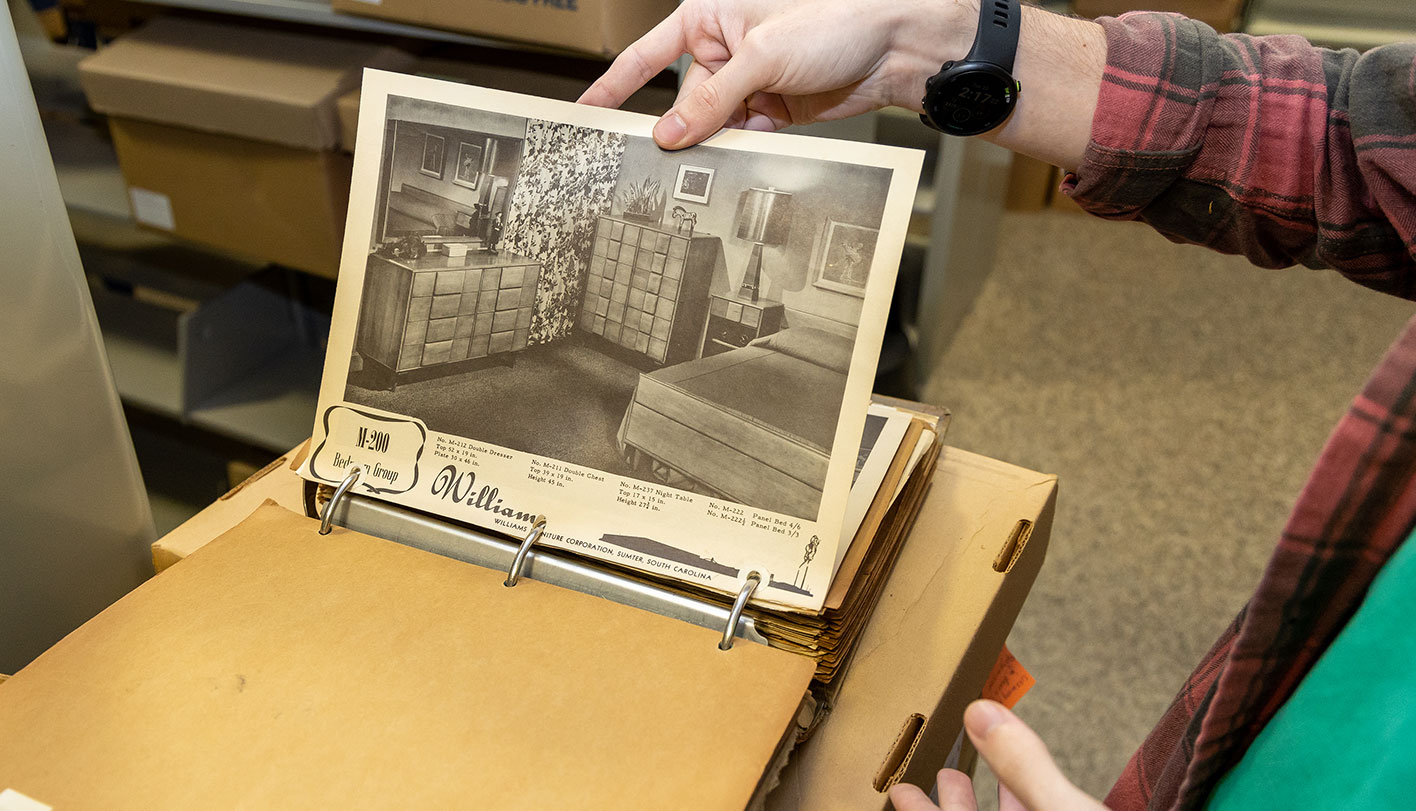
{"points": [[749, 585], [532, 536], [327, 516]]}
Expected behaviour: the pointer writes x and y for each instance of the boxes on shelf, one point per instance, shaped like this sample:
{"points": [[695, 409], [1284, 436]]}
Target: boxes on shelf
{"points": [[651, 100], [596, 27], [348, 108], [227, 135], [1221, 15]]}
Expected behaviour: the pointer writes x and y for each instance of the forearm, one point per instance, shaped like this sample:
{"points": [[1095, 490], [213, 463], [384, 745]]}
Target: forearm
{"points": [[1059, 66]]}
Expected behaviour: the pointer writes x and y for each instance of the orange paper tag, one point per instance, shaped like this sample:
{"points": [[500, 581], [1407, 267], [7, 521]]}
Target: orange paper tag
{"points": [[1009, 681]]}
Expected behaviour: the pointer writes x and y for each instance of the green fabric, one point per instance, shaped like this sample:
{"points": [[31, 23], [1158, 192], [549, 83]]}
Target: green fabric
{"points": [[1347, 736]]}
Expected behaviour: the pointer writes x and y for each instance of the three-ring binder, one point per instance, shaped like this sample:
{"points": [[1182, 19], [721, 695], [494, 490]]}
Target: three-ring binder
{"points": [[402, 525]]}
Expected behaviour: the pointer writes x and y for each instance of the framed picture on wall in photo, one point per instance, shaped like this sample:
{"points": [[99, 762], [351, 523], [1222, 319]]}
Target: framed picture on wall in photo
{"points": [[846, 253], [694, 184], [434, 154], [469, 165]]}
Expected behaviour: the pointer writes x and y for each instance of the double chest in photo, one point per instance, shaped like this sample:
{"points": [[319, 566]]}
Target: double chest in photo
{"points": [[647, 289]]}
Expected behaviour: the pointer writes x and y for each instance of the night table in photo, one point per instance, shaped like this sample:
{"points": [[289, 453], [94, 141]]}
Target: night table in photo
{"points": [[438, 310], [735, 322]]}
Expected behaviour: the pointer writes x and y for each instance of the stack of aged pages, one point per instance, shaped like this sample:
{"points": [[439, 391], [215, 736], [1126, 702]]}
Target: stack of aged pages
{"points": [[890, 488], [668, 356]]}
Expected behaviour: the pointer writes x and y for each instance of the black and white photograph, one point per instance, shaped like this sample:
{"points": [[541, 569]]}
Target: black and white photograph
{"points": [[568, 320], [708, 362]]}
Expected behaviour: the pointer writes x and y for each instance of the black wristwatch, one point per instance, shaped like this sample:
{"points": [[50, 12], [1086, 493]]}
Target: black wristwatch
{"points": [[978, 94]]}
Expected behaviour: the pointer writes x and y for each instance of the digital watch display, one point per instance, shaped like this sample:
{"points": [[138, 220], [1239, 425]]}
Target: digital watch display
{"points": [[978, 93]]}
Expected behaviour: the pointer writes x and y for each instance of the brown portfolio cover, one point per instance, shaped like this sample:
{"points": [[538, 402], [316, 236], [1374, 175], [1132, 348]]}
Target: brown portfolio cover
{"points": [[359, 673]]}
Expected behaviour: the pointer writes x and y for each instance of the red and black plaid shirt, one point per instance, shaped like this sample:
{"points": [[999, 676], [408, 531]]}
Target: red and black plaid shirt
{"points": [[1285, 153]]}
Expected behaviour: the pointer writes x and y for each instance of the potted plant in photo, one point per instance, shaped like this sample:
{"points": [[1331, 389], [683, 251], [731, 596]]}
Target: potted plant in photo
{"points": [[643, 202]]}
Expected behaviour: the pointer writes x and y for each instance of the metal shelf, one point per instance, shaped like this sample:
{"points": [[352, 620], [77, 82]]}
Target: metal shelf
{"points": [[145, 375], [272, 408], [314, 12]]}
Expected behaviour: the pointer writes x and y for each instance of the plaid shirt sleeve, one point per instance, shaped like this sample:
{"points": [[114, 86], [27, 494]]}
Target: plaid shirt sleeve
{"points": [[1261, 146], [1284, 153]]}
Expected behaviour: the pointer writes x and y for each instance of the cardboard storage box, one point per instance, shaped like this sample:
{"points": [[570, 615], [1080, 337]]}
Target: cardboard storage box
{"points": [[651, 100], [1221, 15], [276, 481], [597, 27], [227, 135], [961, 578], [975, 551]]}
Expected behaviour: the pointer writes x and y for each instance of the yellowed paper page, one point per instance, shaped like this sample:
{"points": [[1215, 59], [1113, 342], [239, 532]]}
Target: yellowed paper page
{"points": [[669, 355]]}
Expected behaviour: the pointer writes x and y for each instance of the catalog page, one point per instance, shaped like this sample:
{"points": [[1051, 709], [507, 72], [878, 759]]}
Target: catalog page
{"points": [[669, 355]]}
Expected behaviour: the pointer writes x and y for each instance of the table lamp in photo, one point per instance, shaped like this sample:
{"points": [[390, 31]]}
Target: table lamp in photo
{"points": [[764, 217]]}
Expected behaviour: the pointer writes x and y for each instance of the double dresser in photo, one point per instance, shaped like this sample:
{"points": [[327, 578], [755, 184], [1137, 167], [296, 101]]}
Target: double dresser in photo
{"points": [[424, 314], [647, 290]]}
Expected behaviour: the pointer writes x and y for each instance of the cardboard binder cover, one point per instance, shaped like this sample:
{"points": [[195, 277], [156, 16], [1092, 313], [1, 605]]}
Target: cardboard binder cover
{"points": [[279, 668]]}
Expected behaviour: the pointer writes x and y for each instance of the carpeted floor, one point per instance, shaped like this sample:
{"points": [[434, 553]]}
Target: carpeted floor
{"points": [[570, 400], [1181, 396]]}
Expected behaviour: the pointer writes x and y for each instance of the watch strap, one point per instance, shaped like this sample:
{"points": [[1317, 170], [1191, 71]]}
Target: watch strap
{"points": [[997, 39]]}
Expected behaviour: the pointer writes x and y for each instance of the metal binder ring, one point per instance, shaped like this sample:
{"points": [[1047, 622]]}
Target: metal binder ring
{"points": [[730, 632], [532, 536], [327, 515]]}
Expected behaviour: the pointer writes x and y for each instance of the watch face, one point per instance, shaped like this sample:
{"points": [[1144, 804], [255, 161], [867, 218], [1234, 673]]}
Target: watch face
{"points": [[972, 100]]}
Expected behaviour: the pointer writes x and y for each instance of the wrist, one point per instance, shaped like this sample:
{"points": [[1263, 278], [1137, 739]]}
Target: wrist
{"points": [[927, 33], [1059, 64]]}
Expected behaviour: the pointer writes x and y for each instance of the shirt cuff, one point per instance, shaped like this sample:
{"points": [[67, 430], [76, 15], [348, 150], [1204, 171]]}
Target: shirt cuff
{"points": [[1151, 114]]}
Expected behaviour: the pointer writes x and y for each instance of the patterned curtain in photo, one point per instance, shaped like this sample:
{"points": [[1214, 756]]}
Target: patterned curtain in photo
{"points": [[567, 179]]}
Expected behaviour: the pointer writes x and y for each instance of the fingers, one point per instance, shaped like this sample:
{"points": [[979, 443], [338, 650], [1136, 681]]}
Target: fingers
{"points": [[696, 74], [1021, 761], [639, 63], [955, 792], [766, 112], [703, 109], [906, 797], [1008, 801]]}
